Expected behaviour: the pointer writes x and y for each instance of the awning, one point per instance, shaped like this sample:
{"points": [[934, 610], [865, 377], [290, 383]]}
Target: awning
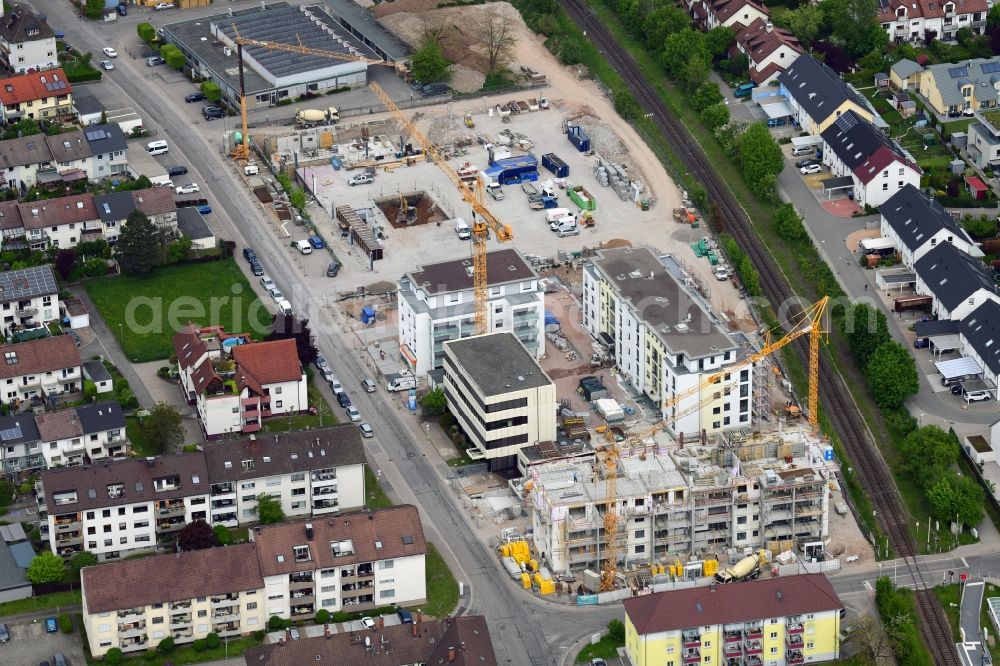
{"points": [[897, 277], [777, 109], [840, 183], [945, 343], [958, 367], [881, 243], [803, 141]]}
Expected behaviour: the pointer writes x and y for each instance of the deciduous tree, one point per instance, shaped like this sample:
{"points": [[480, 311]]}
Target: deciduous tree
{"points": [[269, 510], [429, 63], [434, 402], [854, 25], [761, 160], [892, 375], [499, 38], [662, 22], [84, 558], [284, 327], [196, 535], [805, 22], [715, 116], [65, 262], [865, 329], [138, 247], [46, 568], [211, 91], [788, 223], [163, 428], [146, 32], [705, 95]]}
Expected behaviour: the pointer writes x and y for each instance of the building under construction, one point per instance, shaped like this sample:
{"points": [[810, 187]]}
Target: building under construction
{"points": [[735, 491]]}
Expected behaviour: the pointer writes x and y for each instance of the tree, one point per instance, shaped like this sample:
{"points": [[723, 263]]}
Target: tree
{"points": [[993, 18], [269, 510], [8, 492], [84, 558], [729, 135], [499, 37], [788, 223], [680, 49], [833, 56], [805, 22], [297, 197], [46, 568], [113, 657], [65, 262], [705, 96], [960, 497], [761, 160], [222, 536], [865, 329], [662, 22], [929, 447], [196, 535], [211, 91], [434, 402], [173, 56], [146, 32], [284, 327], [178, 250], [892, 375], [616, 631], [162, 428], [854, 25], [138, 248], [718, 40], [93, 9], [869, 640], [429, 64], [715, 116], [166, 646]]}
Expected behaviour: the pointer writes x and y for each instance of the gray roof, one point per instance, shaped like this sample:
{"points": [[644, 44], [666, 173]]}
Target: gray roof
{"points": [[85, 101], [301, 451], [18, 429], [926, 329], [855, 141], [192, 223], [981, 329], [952, 275], [11, 575], [95, 371], [24, 151], [363, 25], [101, 416], [23, 553], [915, 218], [106, 138], [114, 206], [981, 73], [27, 283], [906, 68], [817, 88], [69, 146], [662, 303], [502, 266], [23, 25], [497, 363]]}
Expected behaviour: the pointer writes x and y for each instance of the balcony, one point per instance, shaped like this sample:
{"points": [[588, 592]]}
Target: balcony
{"points": [[182, 636], [325, 490], [137, 629], [732, 635], [223, 504], [794, 657], [691, 639], [324, 476], [793, 640], [753, 647], [138, 643], [180, 605], [225, 615], [65, 525], [295, 579], [754, 630], [794, 628], [325, 505], [445, 332], [223, 489], [227, 628], [303, 609], [170, 525], [228, 600], [691, 656], [130, 615], [732, 650], [180, 620], [68, 538], [251, 427], [166, 510], [29, 311]]}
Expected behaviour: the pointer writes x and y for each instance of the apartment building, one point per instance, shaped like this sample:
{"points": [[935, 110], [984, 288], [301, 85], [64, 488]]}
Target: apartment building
{"points": [[917, 20], [437, 304], [93, 153], [38, 368], [26, 41], [36, 95], [29, 298], [980, 336], [123, 507], [665, 339], [20, 445], [82, 435], [310, 472], [120, 507], [59, 223], [734, 491], [770, 50], [918, 224], [351, 562], [108, 149], [157, 203], [959, 283], [818, 96], [235, 382], [783, 621], [457, 641], [501, 397], [134, 604], [735, 14]]}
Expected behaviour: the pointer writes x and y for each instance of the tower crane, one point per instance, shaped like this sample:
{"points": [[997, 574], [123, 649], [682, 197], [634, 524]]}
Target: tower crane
{"points": [[811, 323]]}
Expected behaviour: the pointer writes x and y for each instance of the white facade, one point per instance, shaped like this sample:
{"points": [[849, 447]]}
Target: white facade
{"points": [[911, 255], [31, 54], [54, 382], [42, 308], [905, 21], [881, 186], [434, 310], [961, 310], [96, 446]]}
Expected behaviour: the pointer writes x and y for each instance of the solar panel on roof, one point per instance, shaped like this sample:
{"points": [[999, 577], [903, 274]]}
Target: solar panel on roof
{"points": [[846, 122], [990, 67], [96, 135], [52, 86], [958, 72], [9, 434]]}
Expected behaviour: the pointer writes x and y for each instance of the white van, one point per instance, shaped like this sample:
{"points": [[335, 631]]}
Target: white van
{"points": [[563, 222], [803, 150], [553, 214], [568, 228], [157, 147], [250, 170], [284, 307], [462, 229], [361, 179], [303, 246], [402, 383]]}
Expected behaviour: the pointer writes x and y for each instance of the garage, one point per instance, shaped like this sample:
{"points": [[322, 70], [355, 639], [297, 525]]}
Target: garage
{"points": [[832, 185], [942, 344], [958, 368], [811, 141]]}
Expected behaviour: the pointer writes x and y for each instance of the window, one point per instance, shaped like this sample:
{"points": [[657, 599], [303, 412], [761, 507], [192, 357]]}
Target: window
{"points": [[252, 605], [774, 634], [774, 650], [157, 620], [639, 550], [298, 477], [387, 594], [107, 528], [387, 564], [277, 404], [203, 613], [247, 485], [301, 553], [123, 540], [91, 530], [809, 645], [298, 491], [639, 534]]}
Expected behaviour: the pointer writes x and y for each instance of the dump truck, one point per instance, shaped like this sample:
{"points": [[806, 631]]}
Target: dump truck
{"points": [[746, 569], [313, 117]]}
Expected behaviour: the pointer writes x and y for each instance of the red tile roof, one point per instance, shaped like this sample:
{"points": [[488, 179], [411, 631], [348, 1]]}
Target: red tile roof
{"points": [[269, 362], [155, 201], [75, 209], [38, 356], [976, 183], [726, 9], [878, 161], [762, 75], [735, 602], [35, 85], [188, 345], [165, 578], [59, 425], [927, 9], [762, 38]]}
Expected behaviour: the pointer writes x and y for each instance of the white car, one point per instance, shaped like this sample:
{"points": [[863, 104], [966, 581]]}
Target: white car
{"points": [[110, 52], [107, 65], [353, 413], [810, 168], [190, 188], [277, 295], [163, 5], [335, 385], [368, 623], [267, 283]]}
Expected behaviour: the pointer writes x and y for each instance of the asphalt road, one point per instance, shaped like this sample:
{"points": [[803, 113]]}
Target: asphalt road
{"points": [[525, 630]]}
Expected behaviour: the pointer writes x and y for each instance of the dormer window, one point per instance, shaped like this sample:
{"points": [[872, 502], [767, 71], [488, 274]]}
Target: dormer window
{"points": [[301, 553]]}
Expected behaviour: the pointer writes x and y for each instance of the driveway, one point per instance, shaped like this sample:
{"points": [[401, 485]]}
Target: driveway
{"points": [[972, 602], [161, 390], [29, 645]]}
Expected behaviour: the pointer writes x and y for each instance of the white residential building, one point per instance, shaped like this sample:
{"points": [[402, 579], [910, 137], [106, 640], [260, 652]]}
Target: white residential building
{"points": [[980, 336], [959, 283], [46, 366], [26, 41], [437, 303], [501, 397], [735, 14], [769, 50], [913, 20], [917, 225], [20, 448], [29, 298], [82, 435], [351, 563], [92, 154], [665, 340]]}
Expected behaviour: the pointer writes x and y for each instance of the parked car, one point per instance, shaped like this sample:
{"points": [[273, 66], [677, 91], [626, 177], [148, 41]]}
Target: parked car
{"points": [[353, 414], [321, 363], [154, 61], [189, 188], [976, 396], [59, 659], [122, 9], [316, 242], [921, 343], [812, 168], [368, 385], [957, 389], [110, 52], [277, 295], [107, 65], [194, 97], [405, 616], [806, 162], [343, 399], [204, 209], [176, 170], [368, 623], [335, 385], [328, 376], [4, 633], [267, 282], [256, 268], [776, 122], [60, 34], [597, 661], [163, 6], [333, 269], [294, 633], [213, 112], [51, 626], [366, 431]]}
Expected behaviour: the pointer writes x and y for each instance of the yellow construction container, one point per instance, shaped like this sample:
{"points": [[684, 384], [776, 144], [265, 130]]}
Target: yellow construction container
{"points": [[711, 567], [526, 581], [505, 550], [673, 570], [533, 565], [546, 587], [680, 569], [538, 579]]}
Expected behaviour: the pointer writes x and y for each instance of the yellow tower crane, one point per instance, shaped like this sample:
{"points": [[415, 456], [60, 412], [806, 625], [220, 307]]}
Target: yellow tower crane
{"points": [[811, 323]]}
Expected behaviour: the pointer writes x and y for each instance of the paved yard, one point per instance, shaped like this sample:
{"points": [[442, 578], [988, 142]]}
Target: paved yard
{"points": [[30, 645]]}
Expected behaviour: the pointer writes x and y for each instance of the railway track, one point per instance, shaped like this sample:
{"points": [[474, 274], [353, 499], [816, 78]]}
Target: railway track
{"points": [[872, 470]]}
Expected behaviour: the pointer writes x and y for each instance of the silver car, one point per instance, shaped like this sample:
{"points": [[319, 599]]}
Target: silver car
{"points": [[366, 431], [353, 413]]}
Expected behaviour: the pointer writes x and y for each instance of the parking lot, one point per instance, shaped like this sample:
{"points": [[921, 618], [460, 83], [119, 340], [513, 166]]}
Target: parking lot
{"points": [[30, 645]]}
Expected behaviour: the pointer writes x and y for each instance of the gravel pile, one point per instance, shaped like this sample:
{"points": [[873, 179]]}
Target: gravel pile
{"points": [[604, 140], [445, 131]]}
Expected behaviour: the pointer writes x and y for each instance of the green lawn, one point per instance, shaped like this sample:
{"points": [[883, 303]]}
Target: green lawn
{"points": [[442, 589], [375, 497], [41, 602], [952, 594], [606, 648], [148, 311], [324, 416], [140, 446], [185, 654]]}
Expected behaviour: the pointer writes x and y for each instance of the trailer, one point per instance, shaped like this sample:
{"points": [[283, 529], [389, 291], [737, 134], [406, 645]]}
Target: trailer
{"points": [[553, 163], [502, 110], [532, 104], [578, 138], [582, 198], [746, 569], [542, 202]]}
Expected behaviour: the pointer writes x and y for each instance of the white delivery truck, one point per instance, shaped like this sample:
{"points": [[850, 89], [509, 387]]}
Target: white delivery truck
{"points": [[462, 229], [553, 214], [401, 383]]}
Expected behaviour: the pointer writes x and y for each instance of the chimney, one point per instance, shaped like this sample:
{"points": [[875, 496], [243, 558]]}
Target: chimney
{"points": [[769, 26], [413, 629], [288, 634], [451, 654], [150, 461], [326, 630], [309, 531]]}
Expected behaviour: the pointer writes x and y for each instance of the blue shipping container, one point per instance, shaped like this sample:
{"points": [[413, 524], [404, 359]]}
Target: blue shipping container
{"points": [[578, 138], [552, 162]]}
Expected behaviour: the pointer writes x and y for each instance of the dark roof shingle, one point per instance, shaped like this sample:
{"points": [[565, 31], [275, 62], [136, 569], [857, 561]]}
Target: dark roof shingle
{"points": [[502, 266], [817, 88], [915, 218], [952, 275], [981, 329]]}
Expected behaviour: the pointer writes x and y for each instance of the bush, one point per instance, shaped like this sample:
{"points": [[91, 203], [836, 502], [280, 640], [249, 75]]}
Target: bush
{"points": [[113, 657], [276, 623], [322, 616], [616, 631], [199, 645], [259, 635], [166, 646], [213, 641], [65, 623], [224, 538]]}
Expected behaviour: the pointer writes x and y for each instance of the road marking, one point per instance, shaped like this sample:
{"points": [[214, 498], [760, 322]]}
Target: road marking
{"points": [[964, 563], [868, 585]]}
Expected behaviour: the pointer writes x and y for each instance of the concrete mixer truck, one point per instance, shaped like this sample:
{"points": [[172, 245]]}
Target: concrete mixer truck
{"points": [[313, 117]]}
